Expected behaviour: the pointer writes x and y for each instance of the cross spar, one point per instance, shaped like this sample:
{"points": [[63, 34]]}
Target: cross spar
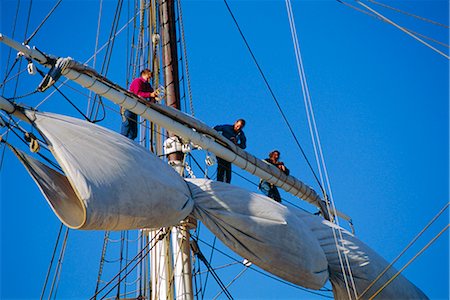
{"points": [[185, 126]]}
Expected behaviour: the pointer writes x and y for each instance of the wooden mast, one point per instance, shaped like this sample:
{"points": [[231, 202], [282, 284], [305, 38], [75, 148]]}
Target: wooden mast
{"points": [[180, 234]]}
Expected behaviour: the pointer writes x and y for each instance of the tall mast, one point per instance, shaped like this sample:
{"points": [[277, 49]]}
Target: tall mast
{"points": [[180, 234]]}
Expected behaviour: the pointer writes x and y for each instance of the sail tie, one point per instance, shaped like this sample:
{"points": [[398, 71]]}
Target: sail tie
{"points": [[34, 144]]}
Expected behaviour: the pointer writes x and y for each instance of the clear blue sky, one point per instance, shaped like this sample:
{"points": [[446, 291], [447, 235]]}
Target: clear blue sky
{"points": [[381, 102]]}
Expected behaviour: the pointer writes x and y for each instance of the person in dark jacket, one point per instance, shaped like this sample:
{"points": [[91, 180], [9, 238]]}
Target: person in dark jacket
{"points": [[268, 189], [235, 134], [140, 87]]}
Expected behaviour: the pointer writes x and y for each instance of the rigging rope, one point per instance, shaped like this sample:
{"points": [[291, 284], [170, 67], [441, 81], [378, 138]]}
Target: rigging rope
{"points": [[403, 29], [200, 256], [5, 80], [100, 10], [57, 274], [404, 250], [102, 260], [10, 129], [106, 62], [141, 254], [410, 261], [51, 261], [25, 34], [273, 95], [319, 153], [42, 23], [232, 281], [409, 14], [272, 276], [381, 19], [10, 49], [186, 64]]}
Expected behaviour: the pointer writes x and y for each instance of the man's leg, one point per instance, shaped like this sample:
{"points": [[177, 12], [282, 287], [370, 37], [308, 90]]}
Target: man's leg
{"points": [[228, 172], [276, 194], [220, 169], [129, 125], [133, 126]]}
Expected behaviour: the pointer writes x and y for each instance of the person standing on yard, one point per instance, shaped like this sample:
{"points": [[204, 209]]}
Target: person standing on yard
{"points": [[268, 189], [140, 87], [235, 134]]}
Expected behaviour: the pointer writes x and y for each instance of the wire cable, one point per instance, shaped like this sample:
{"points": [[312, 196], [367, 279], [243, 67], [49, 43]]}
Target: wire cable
{"points": [[410, 261], [57, 274], [381, 19], [272, 276], [10, 49], [273, 95], [404, 250], [409, 14], [51, 261], [139, 254], [42, 23], [315, 138], [403, 29]]}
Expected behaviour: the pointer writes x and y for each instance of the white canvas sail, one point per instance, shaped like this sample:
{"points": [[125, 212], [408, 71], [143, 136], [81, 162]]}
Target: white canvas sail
{"points": [[112, 183], [118, 184], [261, 230]]}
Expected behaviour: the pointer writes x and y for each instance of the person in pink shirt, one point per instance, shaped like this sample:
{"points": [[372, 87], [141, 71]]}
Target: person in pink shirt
{"points": [[140, 87]]}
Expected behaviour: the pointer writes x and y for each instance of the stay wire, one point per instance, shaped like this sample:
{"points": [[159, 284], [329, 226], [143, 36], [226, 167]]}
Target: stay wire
{"points": [[25, 35], [8, 72], [56, 276], [107, 60], [402, 29], [232, 281], [65, 97], [410, 261], [143, 255], [272, 276], [128, 264], [213, 248], [105, 65], [381, 19], [409, 14], [183, 43], [319, 153], [10, 49], [94, 62], [404, 250], [273, 96], [200, 256], [102, 260], [42, 23], [51, 261]]}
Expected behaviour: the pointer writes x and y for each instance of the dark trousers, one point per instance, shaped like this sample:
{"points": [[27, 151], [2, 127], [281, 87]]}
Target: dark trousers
{"points": [[223, 170], [129, 125], [270, 191]]}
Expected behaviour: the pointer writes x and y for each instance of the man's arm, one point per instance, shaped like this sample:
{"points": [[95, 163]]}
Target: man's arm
{"points": [[242, 141], [144, 91]]}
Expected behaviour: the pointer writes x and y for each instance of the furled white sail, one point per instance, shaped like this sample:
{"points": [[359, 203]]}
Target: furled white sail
{"points": [[365, 264], [112, 183], [261, 230], [119, 184], [293, 244]]}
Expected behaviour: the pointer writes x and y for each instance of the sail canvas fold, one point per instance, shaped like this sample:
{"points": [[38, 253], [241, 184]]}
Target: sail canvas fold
{"points": [[261, 230], [359, 262], [119, 184], [56, 189], [111, 183]]}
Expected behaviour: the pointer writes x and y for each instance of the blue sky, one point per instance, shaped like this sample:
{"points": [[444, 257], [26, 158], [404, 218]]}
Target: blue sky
{"points": [[380, 100]]}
